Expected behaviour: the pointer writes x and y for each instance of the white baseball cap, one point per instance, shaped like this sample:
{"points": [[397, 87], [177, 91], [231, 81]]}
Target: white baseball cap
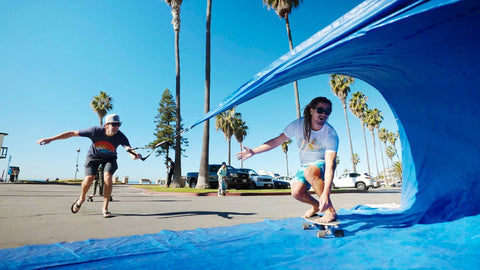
{"points": [[112, 118]]}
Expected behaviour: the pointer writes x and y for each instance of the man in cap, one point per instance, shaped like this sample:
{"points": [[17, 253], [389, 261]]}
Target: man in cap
{"points": [[105, 140]]}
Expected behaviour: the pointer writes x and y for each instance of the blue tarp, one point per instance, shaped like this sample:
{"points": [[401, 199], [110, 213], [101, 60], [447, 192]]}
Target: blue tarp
{"points": [[424, 58], [282, 244]]}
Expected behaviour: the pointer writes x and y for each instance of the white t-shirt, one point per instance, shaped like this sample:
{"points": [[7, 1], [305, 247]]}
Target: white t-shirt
{"points": [[326, 139]]}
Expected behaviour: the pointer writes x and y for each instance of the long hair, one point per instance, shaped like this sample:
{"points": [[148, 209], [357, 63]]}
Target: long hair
{"points": [[307, 122]]}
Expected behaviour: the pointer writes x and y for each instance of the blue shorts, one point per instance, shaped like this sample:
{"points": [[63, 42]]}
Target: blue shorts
{"points": [[301, 178]]}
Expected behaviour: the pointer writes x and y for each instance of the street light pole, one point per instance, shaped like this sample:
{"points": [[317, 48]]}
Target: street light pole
{"points": [[76, 166]]}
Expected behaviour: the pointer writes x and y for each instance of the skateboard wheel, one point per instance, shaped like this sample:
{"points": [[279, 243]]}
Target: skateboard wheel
{"points": [[306, 226], [321, 234], [339, 233]]}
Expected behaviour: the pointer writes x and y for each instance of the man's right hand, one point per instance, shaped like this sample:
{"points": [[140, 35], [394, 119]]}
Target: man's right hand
{"points": [[245, 154]]}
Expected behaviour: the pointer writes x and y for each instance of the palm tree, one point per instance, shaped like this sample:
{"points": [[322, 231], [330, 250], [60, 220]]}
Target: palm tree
{"points": [[373, 119], [356, 159], [101, 104], [240, 131], [285, 150], [341, 87], [358, 106], [175, 6], [283, 8], [337, 162], [226, 123], [203, 170], [390, 154], [397, 166], [382, 136], [392, 138]]}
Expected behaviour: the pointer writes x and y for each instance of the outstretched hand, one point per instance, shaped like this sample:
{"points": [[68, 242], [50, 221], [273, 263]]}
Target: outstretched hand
{"points": [[43, 141], [245, 154]]}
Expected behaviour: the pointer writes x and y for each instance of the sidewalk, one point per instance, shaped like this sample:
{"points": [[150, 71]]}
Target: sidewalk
{"points": [[40, 214]]}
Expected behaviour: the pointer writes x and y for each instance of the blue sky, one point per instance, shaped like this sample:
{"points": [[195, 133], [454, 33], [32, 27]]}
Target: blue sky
{"points": [[56, 55]]}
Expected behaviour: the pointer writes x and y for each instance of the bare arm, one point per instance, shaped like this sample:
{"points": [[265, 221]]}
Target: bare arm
{"points": [[61, 136], [262, 148], [133, 153], [329, 171]]}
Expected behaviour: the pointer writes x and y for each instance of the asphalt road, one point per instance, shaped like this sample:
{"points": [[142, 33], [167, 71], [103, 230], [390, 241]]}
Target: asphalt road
{"points": [[40, 213]]}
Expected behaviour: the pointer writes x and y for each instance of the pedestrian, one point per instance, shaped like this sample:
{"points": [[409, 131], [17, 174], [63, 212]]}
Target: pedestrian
{"points": [[317, 143], [222, 179], [105, 140], [170, 170]]}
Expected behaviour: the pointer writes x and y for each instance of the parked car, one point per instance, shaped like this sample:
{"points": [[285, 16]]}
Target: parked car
{"points": [[281, 183], [284, 178], [259, 181], [396, 184], [236, 179], [360, 181]]}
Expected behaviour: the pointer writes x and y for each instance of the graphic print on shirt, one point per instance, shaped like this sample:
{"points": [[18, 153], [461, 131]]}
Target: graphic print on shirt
{"points": [[313, 146], [104, 147]]}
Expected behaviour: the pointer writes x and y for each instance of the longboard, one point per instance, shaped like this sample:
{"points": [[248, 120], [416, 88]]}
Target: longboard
{"points": [[323, 228], [90, 198]]}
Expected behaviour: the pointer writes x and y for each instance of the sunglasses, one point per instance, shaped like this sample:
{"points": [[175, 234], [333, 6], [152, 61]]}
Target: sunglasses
{"points": [[322, 110], [115, 124]]}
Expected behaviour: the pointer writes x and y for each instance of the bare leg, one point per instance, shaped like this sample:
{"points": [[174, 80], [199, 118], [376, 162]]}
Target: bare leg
{"points": [[86, 183], [312, 174], [107, 190], [300, 193]]}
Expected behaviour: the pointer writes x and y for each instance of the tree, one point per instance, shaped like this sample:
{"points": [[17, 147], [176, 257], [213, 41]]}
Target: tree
{"points": [[392, 138], [203, 173], [341, 87], [165, 125], [358, 106], [373, 119], [283, 8], [285, 150], [397, 166], [390, 153], [240, 131], [175, 7], [356, 159], [225, 122], [101, 104], [383, 136]]}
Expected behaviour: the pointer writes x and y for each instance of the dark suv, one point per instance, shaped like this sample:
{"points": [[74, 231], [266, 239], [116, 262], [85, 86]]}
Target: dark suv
{"points": [[236, 179]]}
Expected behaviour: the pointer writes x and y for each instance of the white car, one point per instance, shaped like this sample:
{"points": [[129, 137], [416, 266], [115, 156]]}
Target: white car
{"points": [[284, 178], [259, 181], [360, 181]]}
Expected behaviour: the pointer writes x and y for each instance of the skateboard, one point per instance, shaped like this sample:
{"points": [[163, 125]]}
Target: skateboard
{"points": [[90, 198], [324, 229]]}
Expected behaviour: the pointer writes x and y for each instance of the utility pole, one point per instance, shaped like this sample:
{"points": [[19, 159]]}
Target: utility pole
{"points": [[76, 166]]}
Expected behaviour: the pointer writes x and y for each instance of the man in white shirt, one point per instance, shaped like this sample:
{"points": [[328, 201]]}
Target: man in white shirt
{"points": [[318, 144]]}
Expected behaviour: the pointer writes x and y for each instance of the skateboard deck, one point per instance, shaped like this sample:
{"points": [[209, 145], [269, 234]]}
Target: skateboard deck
{"points": [[324, 229], [90, 198]]}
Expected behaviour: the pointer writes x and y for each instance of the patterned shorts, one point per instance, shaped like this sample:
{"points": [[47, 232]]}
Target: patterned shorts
{"points": [[300, 177]]}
